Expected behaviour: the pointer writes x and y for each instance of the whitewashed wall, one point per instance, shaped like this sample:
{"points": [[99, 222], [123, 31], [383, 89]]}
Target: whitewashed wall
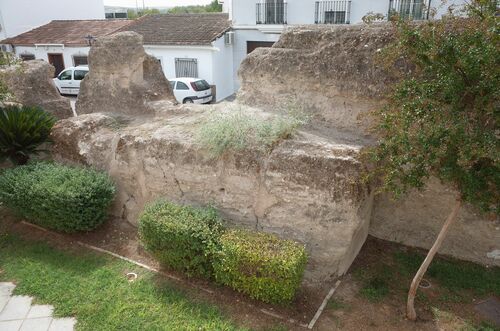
{"points": [[19, 16], [168, 54], [302, 11], [215, 63], [42, 52], [240, 48], [223, 69]]}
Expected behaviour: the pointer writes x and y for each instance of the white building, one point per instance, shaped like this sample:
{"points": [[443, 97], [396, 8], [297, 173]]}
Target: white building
{"points": [[259, 23], [209, 46], [62, 43], [190, 45], [187, 45], [18, 16]]}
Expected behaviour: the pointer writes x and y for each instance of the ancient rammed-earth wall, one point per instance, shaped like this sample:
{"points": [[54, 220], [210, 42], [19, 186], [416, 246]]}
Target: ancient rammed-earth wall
{"points": [[308, 188]]}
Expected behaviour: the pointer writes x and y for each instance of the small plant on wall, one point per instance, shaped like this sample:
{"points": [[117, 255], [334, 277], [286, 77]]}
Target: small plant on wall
{"points": [[22, 131], [443, 119]]}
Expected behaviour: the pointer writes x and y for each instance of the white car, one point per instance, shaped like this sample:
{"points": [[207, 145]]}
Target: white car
{"points": [[191, 90], [68, 81]]}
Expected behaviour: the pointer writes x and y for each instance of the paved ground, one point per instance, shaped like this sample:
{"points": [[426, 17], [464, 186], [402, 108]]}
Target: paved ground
{"points": [[18, 314]]}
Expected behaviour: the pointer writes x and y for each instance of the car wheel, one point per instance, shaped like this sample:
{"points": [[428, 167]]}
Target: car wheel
{"points": [[187, 100]]}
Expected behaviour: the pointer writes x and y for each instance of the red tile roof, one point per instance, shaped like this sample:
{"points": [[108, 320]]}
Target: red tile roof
{"points": [[180, 29], [161, 29], [70, 32]]}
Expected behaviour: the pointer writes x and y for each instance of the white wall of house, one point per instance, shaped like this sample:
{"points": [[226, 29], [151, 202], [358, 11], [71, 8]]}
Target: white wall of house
{"points": [[243, 36], [42, 52], [222, 67], [18, 16], [168, 54], [215, 63], [243, 12]]}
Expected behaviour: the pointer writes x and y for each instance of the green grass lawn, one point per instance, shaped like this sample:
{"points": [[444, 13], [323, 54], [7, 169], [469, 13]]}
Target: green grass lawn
{"points": [[93, 288]]}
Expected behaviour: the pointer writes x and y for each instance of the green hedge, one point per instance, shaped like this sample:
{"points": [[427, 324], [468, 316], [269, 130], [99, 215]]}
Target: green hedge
{"points": [[260, 265], [180, 237], [57, 197]]}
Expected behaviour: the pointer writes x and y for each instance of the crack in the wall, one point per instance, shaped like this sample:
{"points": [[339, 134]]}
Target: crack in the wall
{"points": [[178, 185]]}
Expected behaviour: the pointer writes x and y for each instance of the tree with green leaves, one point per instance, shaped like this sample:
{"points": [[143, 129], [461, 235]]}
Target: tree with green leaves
{"points": [[213, 7], [443, 117], [133, 14]]}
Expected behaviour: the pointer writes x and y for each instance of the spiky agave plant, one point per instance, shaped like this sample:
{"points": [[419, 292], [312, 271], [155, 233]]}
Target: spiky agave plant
{"points": [[22, 131]]}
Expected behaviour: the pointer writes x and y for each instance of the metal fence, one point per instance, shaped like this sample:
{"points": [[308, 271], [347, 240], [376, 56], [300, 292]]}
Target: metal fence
{"points": [[332, 12], [410, 9], [186, 68], [272, 12]]}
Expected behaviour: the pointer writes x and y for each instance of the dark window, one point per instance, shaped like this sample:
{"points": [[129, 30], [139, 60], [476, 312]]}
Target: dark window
{"points": [[271, 12], [27, 57], [65, 75], [186, 68], [253, 45], [121, 15], [172, 84], [410, 9], [80, 60], [182, 86], [334, 17], [80, 74], [109, 15], [201, 85]]}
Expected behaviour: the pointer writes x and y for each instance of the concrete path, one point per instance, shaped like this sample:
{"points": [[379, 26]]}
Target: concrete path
{"points": [[18, 314]]}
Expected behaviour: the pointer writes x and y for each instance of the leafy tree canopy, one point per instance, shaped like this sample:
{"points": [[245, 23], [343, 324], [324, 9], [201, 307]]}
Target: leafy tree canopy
{"points": [[213, 7], [443, 117], [133, 14]]}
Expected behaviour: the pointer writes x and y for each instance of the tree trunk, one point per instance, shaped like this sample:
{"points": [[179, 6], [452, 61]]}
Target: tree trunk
{"points": [[410, 306]]}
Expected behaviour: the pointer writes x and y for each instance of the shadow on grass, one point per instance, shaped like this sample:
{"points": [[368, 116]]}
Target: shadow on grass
{"points": [[458, 278]]}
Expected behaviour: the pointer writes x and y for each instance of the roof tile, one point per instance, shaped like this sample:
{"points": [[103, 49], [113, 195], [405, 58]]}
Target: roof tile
{"points": [[67, 32], [180, 29]]}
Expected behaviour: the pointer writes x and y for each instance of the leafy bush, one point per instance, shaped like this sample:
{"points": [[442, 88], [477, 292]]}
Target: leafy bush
{"points": [[260, 265], [180, 237], [57, 197], [22, 131], [236, 131]]}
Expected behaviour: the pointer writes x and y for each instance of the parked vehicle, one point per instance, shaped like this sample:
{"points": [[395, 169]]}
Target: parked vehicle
{"points": [[68, 81], [191, 90]]}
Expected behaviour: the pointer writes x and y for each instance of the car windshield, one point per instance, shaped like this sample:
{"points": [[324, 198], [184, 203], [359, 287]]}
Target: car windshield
{"points": [[201, 85]]}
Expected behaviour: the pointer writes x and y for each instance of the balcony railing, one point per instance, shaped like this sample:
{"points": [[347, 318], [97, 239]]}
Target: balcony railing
{"points": [[410, 9], [333, 12], [272, 12]]}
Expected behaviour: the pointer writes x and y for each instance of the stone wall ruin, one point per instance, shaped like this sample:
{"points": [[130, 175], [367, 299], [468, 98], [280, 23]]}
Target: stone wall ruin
{"points": [[31, 84], [308, 188]]}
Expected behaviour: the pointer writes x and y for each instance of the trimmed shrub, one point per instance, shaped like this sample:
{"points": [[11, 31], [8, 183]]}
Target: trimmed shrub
{"points": [[180, 237], [261, 265], [57, 197]]}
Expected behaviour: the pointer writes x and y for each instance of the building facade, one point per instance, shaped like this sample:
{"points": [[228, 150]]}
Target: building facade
{"points": [[19, 16], [186, 45], [259, 23]]}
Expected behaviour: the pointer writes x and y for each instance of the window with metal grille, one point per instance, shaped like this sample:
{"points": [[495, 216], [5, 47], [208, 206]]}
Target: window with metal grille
{"points": [[271, 12], [410, 9], [27, 57], [186, 68], [333, 12], [334, 17], [80, 60]]}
